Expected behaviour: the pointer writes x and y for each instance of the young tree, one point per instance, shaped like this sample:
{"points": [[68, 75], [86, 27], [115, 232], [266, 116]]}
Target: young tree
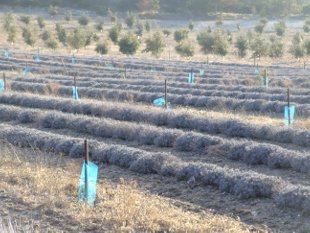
{"points": [[52, 43], [155, 44], [307, 47], [68, 16], [29, 36], [53, 10], [46, 35], [307, 26], [276, 48], [166, 32], [259, 47], [61, 34], [129, 44], [12, 34], [242, 45], [280, 28], [8, 21], [84, 20], [102, 48], [40, 21], [185, 49], [77, 39], [147, 26], [180, 35], [191, 26], [259, 28], [25, 19], [114, 33], [139, 30], [131, 20]]}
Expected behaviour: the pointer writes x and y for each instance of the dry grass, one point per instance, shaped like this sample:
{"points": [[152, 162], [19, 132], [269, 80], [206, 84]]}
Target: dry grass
{"points": [[50, 183]]}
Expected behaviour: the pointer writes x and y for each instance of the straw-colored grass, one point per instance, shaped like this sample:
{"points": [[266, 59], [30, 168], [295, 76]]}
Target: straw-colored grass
{"points": [[51, 183]]}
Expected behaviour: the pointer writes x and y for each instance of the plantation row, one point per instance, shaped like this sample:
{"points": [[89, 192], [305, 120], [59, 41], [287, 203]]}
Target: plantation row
{"points": [[211, 103], [211, 71], [160, 117], [161, 65], [175, 88], [234, 181], [250, 152]]}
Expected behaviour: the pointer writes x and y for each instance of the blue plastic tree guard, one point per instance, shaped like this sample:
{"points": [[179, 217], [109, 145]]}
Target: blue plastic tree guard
{"points": [[256, 71], [92, 174], [2, 86], [26, 70], [110, 66], [159, 102], [265, 81], [75, 93], [6, 54], [73, 60], [201, 72], [191, 78], [289, 111], [37, 58]]}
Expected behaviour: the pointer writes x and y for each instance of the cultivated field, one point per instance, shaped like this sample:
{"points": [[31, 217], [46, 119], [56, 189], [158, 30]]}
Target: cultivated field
{"points": [[222, 144]]}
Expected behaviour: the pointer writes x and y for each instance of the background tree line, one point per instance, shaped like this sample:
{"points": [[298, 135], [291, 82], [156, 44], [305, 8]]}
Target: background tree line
{"points": [[195, 7]]}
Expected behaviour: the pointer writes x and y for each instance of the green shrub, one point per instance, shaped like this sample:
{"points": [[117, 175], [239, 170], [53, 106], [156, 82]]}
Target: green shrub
{"points": [[307, 46], [53, 10], [84, 20], [185, 49], [297, 50], [114, 34], [46, 35], [25, 19], [61, 34], [147, 26], [242, 45], [77, 39], [131, 19], [219, 20], [276, 49], [139, 29], [102, 47], [8, 21], [259, 47], [12, 34], [29, 36], [100, 24], [40, 21], [206, 41], [52, 43], [191, 26], [166, 32], [307, 26], [180, 35], [280, 28], [68, 16], [129, 44], [212, 43], [155, 44]]}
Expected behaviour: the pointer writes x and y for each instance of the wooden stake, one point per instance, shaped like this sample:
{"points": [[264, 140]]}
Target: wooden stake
{"points": [[288, 106], [86, 156], [125, 71], [166, 98], [254, 60]]}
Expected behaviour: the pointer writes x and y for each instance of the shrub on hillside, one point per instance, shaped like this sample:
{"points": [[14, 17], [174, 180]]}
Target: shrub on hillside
{"points": [[84, 20], [180, 35], [102, 48], [185, 49], [242, 45], [129, 44], [155, 44], [114, 33]]}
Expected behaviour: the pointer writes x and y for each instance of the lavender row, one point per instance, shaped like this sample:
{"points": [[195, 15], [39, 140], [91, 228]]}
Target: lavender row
{"points": [[249, 152], [160, 117], [175, 88], [233, 181]]}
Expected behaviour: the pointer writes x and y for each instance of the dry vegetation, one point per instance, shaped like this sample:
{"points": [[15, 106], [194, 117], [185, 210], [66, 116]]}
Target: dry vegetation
{"points": [[48, 185]]}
